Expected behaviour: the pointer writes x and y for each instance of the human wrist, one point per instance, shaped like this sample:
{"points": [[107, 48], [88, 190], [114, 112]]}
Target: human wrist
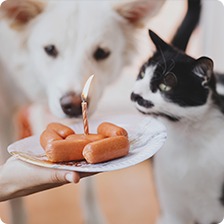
{"points": [[8, 188], [4, 186]]}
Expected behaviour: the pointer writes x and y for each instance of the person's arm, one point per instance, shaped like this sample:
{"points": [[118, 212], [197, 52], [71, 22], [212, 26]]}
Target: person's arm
{"points": [[18, 178]]}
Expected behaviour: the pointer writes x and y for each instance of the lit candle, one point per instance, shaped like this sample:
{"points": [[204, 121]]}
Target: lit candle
{"points": [[84, 104]]}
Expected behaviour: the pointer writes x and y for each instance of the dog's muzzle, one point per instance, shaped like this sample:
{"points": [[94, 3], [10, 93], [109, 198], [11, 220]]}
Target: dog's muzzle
{"points": [[71, 104]]}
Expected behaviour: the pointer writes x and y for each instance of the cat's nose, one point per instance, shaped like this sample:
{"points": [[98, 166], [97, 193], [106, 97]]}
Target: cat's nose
{"points": [[135, 97], [71, 104], [141, 101]]}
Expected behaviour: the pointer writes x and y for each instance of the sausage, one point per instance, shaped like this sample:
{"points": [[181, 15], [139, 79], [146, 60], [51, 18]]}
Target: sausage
{"points": [[106, 149], [95, 137], [61, 129], [92, 137], [49, 136], [66, 150], [108, 129], [75, 136]]}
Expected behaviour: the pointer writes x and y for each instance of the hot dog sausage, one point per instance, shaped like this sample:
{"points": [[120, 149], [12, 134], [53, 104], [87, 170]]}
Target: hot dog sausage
{"points": [[49, 136], [106, 149], [61, 129], [92, 137], [66, 150], [95, 137], [108, 129]]}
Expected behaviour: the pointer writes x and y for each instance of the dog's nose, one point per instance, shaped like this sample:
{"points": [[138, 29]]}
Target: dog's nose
{"points": [[71, 104]]}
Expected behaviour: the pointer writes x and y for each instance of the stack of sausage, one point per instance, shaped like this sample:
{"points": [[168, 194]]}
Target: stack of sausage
{"points": [[61, 144]]}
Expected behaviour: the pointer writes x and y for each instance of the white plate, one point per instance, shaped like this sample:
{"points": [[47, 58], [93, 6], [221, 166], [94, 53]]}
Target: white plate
{"points": [[146, 136]]}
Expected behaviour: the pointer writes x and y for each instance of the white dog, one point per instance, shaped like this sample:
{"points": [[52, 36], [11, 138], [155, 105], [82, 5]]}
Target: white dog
{"points": [[49, 49]]}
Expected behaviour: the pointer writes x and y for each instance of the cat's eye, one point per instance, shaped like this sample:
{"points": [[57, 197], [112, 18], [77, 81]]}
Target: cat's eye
{"points": [[101, 54], [164, 87], [142, 74], [170, 79], [51, 50]]}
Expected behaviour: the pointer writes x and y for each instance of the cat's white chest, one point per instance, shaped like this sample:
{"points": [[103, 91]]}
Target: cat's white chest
{"points": [[188, 154], [191, 165]]}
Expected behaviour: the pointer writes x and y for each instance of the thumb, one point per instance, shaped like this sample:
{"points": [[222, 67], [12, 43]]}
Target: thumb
{"points": [[63, 177]]}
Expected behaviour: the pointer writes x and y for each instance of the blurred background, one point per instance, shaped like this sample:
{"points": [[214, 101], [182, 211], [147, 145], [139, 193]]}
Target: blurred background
{"points": [[126, 196]]}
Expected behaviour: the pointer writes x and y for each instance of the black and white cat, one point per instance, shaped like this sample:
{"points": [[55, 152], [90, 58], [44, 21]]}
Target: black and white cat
{"points": [[189, 169]]}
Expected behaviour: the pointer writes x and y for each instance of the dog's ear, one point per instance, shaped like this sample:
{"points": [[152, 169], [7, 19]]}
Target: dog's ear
{"points": [[138, 12], [20, 12]]}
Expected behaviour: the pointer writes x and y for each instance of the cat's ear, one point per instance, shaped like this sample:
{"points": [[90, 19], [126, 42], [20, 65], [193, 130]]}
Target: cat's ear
{"points": [[203, 67], [159, 43]]}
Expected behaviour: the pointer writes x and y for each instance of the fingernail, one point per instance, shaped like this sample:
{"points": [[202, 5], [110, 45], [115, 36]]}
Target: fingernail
{"points": [[69, 177]]}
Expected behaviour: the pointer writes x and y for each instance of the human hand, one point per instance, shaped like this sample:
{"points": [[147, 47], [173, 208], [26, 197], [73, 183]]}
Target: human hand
{"points": [[18, 178]]}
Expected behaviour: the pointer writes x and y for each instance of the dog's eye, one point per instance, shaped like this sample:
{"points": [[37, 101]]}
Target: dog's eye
{"points": [[164, 87], [101, 54], [51, 51]]}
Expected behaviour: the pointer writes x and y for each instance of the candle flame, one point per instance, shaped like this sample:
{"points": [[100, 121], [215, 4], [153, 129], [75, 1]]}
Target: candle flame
{"points": [[86, 87]]}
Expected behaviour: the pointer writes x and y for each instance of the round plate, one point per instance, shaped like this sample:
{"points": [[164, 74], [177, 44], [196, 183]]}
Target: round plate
{"points": [[146, 136]]}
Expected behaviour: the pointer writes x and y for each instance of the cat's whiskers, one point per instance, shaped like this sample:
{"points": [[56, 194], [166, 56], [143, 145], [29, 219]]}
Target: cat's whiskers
{"points": [[164, 61], [172, 65], [158, 64], [157, 78]]}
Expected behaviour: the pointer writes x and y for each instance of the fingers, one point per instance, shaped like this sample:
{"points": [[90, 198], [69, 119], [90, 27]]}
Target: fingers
{"points": [[41, 175], [18, 178], [55, 176], [72, 177], [59, 176]]}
